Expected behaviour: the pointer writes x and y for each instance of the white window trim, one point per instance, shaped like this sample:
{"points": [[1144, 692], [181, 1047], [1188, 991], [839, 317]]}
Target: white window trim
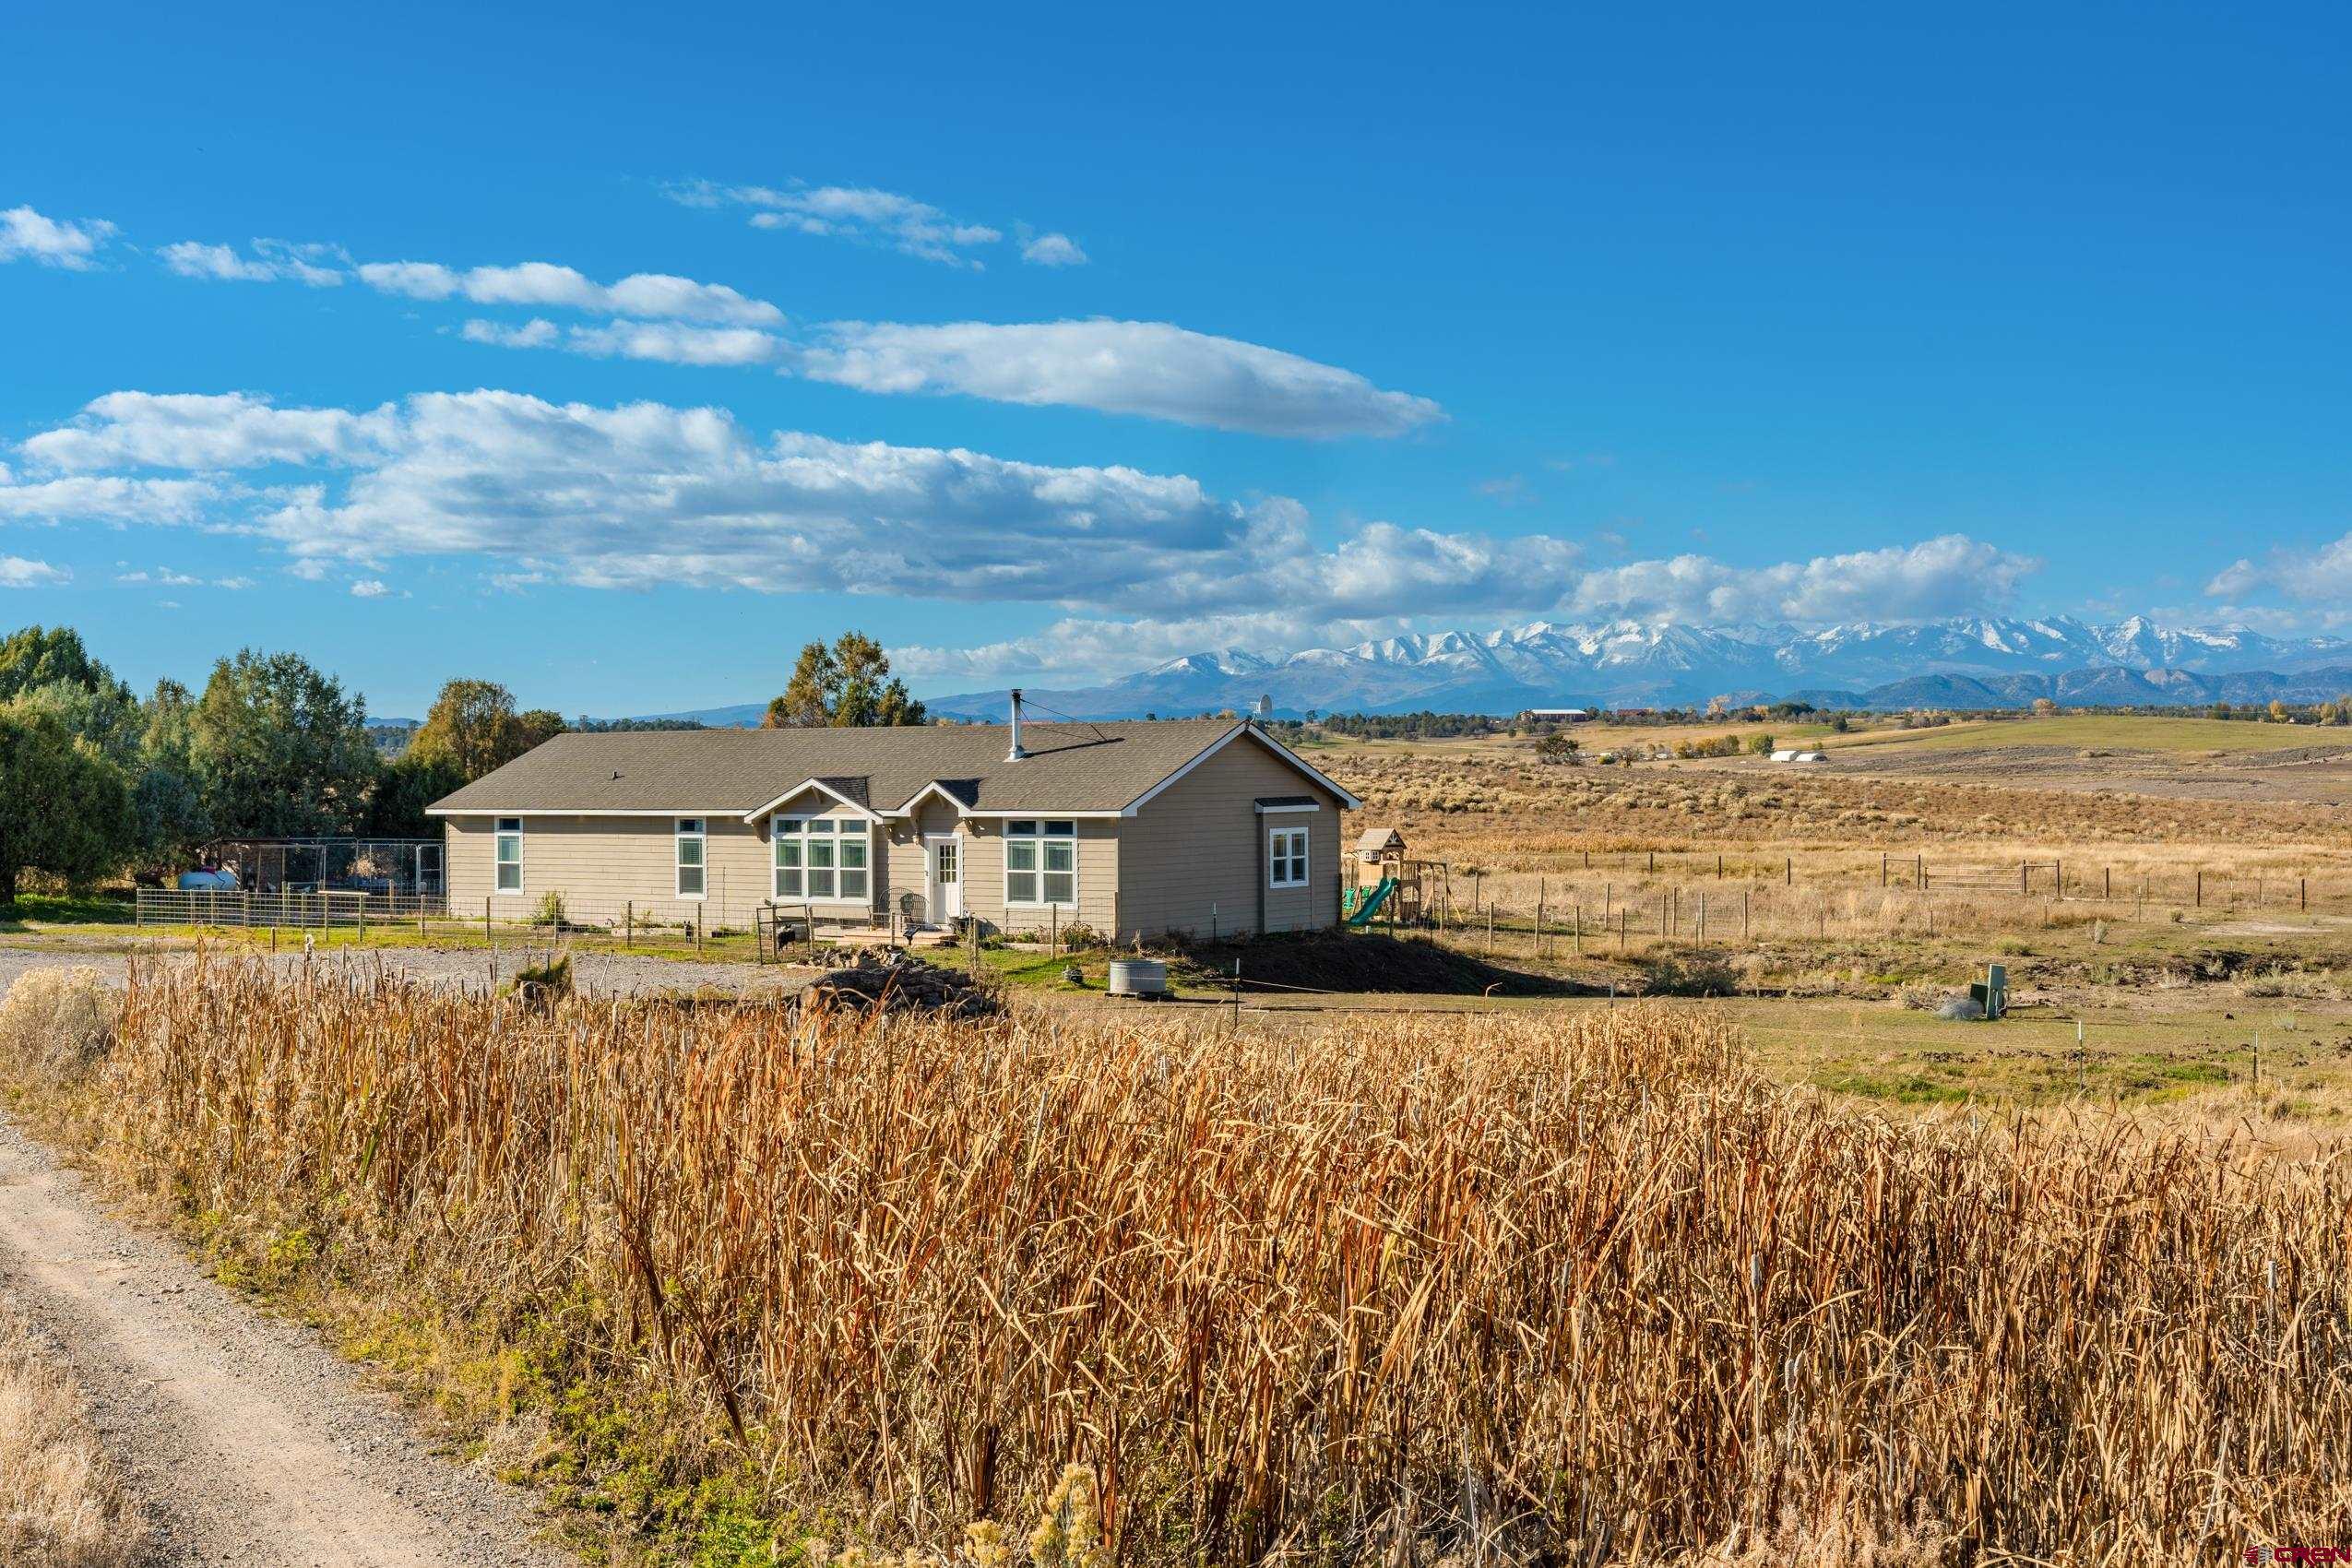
{"points": [[678, 867], [862, 830], [1041, 837], [497, 833], [1278, 861]]}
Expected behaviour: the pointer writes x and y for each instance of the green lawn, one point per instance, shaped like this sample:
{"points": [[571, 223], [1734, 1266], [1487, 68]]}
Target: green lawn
{"points": [[47, 912]]}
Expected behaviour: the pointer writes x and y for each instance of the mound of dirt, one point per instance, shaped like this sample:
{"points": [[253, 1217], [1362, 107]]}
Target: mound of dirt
{"points": [[900, 984], [1367, 962]]}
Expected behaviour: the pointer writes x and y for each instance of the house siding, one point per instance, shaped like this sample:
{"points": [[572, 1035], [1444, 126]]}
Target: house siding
{"points": [[605, 867], [1192, 858]]}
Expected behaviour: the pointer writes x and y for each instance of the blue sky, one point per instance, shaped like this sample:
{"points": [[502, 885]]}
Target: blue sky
{"points": [[614, 354]]}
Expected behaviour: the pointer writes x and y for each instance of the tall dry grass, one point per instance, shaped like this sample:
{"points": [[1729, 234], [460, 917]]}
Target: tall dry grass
{"points": [[62, 1504], [1536, 1290]]}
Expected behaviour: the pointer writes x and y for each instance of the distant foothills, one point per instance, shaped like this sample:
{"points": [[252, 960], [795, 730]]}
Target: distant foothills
{"points": [[1964, 662]]}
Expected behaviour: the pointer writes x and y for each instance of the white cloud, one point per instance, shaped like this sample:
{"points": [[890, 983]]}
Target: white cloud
{"points": [[1152, 369], [537, 333], [319, 266], [1054, 250], [1084, 647], [106, 498], [16, 572], [646, 495], [70, 243], [665, 341], [1946, 576], [2323, 576], [370, 588], [539, 283], [219, 264], [852, 212], [1133, 367], [230, 430]]}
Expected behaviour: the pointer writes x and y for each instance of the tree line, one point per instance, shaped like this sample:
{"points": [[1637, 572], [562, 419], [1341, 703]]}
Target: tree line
{"points": [[98, 782]]}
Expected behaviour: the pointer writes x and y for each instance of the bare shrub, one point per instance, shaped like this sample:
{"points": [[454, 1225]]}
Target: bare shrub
{"points": [[1693, 974], [55, 1022]]}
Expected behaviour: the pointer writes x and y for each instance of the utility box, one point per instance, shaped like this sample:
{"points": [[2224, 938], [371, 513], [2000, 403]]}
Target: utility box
{"points": [[1992, 995]]}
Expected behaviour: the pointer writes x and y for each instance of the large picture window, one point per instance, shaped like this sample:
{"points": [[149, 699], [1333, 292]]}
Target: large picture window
{"points": [[509, 855], [1285, 859], [692, 840], [819, 858], [1041, 862]]}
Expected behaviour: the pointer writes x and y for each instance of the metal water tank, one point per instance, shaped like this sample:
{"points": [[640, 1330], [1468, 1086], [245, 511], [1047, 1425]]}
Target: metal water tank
{"points": [[1139, 977]]}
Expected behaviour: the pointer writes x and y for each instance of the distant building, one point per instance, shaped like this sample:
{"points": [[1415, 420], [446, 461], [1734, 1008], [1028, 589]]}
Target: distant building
{"points": [[1555, 715]]}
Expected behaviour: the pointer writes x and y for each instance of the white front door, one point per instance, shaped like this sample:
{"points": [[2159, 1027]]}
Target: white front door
{"points": [[944, 889]]}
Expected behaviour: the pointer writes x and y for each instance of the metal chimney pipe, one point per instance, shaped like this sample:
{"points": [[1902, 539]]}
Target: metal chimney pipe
{"points": [[1017, 754]]}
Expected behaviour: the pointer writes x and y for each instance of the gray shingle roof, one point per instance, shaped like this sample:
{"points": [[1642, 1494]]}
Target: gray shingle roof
{"points": [[1071, 767]]}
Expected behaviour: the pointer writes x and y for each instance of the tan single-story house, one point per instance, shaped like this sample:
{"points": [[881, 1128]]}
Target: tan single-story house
{"points": [[1133, 828]]}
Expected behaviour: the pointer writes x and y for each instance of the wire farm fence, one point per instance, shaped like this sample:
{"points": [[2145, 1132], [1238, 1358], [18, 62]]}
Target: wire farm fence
{"points": [[1629, 900], [658, 928], [1624, 902]]}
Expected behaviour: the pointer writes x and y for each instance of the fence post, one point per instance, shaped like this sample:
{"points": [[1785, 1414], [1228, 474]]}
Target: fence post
{"points": [[1540, 917], [1788, 871], [2106, 885], [2201, 890], [694, 922], [1882, 868], [2303, 892], [629, 924], [1743, 914], [1578, 929], [487, 937], [2057, 872]]}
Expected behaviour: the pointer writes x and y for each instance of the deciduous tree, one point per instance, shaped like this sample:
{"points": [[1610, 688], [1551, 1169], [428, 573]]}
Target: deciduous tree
{"points": [[849, 684], [473, 728]]}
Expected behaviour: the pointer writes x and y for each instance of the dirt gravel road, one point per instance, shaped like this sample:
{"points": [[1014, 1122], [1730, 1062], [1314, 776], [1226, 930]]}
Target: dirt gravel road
{"points": [[244, 1439], [599, 974]]}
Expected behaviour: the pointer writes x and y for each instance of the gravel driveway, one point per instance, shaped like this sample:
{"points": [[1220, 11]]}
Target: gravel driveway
{"points": [[602, 974], [244, 1438]]}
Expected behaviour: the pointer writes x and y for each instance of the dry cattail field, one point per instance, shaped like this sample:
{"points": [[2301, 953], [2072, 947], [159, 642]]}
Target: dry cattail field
{"points": [[1536, 1289]]}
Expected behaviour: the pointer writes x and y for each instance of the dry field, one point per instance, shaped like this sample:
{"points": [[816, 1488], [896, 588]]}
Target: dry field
{"points": [[1936, 839], [1536, 1289]]}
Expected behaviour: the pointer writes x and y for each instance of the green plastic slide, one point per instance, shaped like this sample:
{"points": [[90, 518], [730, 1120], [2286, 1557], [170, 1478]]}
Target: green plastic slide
{"points": [[1360, 906]]}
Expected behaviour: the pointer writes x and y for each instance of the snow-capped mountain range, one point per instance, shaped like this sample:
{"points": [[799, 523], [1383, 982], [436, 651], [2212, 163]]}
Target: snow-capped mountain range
{"points": [[1971, 660]]}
